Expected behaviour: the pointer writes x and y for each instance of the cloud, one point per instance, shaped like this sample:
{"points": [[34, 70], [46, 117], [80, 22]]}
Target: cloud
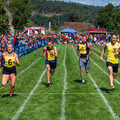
{"points": [[96, 2]]}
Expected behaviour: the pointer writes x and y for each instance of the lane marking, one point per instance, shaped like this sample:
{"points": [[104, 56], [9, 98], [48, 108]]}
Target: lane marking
{"points": [[62, 117], [103, 70], [100, 93], [15, 117], [22, 72], [104, 99], [61, 93]]}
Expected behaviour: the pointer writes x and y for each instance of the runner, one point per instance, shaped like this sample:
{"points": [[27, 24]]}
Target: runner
{"points": [[83, 52], [9, 69], [51, 60], [112, 59]]}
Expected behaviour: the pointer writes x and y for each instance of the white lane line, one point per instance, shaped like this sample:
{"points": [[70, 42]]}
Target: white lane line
{"points": [[23, 71], [103, 59], [102, 96], [61, 93], [62, 117], [103, 70], [31, 65], [101, 52], [104, 99], [15, 117]]}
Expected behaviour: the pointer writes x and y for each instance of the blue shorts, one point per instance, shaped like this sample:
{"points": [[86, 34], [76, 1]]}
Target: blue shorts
{"points": [[52, 63]]}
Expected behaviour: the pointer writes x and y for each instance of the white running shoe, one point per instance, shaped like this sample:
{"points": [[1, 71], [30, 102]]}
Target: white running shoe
{"points": [[83, 81]]}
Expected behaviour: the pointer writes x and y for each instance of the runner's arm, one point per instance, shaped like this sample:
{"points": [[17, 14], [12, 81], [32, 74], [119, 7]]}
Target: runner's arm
{"points": [[55, 54], [103, 51], [78, 51], [43, 51], [1, 59], [91, 50], [1, 56], [17, 60], [119, 47]]}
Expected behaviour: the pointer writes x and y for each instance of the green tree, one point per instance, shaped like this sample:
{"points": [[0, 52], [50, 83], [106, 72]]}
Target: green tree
{"points": [[109, 18], [104, 16], [72, 17], [30, 23], [21, 10], [114, 22], [3, 18], [59, 11]]}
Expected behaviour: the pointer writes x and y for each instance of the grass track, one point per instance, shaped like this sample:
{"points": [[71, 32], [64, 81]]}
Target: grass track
{"points": [[46, 106], [95, 107]]}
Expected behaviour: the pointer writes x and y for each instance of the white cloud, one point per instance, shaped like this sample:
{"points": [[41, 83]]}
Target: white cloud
{"points": [[96, 2]]}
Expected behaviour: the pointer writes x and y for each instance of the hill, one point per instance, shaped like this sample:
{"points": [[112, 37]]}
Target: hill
{"points": [[59, 12]]}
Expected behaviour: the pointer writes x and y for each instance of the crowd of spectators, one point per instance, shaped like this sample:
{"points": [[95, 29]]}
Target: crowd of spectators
{"points": [[69, 38], [21, 39], [95, 39]]}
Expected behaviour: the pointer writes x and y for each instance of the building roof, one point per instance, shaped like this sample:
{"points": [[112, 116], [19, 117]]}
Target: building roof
{"points": [[78, 26]]}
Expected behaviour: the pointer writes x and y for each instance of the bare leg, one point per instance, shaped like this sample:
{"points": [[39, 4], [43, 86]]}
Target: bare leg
{"points": [[110, 69], [82, 74], [12, 87], [5, 79], [48, 72], [52, 71], [114, 75]]}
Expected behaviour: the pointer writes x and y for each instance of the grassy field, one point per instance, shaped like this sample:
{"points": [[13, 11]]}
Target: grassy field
{"points": [[66, 98]]}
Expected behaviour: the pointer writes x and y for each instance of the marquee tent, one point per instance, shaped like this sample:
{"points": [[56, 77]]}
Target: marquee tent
{"points": [[68, 30]]}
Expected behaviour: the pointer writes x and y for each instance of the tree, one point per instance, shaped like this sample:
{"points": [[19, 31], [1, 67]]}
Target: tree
{"points": [[73, 17], [21, 10], [14, 14], [3, 18], [114, 22], [109, 18], [104, 16]]}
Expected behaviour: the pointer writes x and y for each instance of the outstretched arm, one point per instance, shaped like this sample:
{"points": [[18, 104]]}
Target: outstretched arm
{"points": [[43, 51], [17, 60], [55, 54], [103, 51], [1, 59], [119, 47], [91, 50], [78, 51]]}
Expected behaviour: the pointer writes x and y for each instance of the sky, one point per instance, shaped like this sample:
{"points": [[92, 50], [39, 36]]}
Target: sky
{"points": [[96, 2]]}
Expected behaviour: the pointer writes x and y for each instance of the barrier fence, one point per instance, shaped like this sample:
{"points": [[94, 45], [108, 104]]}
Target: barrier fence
{"points": [[22, 50]]}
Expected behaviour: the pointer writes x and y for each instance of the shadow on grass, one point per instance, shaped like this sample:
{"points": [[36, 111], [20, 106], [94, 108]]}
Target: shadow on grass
{"points": [[7, 95], [106, 90], [46, 83], [78, 81]]}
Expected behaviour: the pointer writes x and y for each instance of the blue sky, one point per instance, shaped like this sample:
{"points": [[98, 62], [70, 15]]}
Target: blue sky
{"points": [[96, 2]]}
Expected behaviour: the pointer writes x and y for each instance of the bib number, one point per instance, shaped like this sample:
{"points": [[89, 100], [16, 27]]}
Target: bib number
{"points": [[51, 55], [82, 49], [9, 62], [114, 50]]}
